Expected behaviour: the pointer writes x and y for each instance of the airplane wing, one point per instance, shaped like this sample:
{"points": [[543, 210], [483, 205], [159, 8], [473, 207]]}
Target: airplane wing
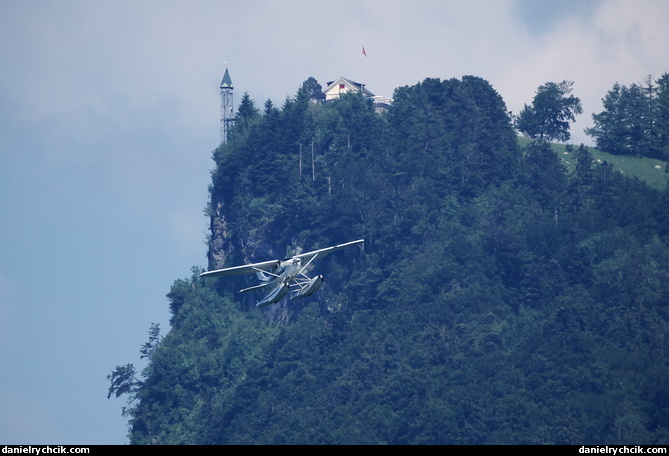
{"points": [[273, 264], [306, 257], [245, 269]]}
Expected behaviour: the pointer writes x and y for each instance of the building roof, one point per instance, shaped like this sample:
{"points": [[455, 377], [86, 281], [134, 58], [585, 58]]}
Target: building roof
{"points": [[334, 88], [226, 83]]}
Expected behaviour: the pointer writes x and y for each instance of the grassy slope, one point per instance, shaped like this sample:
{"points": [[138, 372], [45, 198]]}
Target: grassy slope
{"points": [[645, 169]]}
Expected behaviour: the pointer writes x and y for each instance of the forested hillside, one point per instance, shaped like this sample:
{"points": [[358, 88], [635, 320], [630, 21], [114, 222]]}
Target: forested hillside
{"points": [[499, 298]]}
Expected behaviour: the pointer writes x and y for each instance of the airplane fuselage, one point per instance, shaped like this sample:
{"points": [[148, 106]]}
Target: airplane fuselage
{"points": [[291, 268], [279, 287]]}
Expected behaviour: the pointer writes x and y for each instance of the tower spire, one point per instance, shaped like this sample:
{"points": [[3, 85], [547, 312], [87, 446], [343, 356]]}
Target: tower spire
{"points": [[227, 111]]}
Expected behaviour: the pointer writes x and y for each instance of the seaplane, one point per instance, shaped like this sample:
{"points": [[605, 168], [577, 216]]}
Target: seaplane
{"points": [[281, 277]]}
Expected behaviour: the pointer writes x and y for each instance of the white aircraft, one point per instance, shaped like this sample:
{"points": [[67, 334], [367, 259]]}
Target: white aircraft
{"points": [[279, 276]]}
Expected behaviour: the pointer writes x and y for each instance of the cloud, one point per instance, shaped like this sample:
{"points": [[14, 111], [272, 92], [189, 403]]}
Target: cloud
{"points": [[120, 58], [617, 41], [634, 33]]}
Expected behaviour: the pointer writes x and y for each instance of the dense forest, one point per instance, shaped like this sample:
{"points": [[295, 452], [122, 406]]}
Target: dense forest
{"points": [[499, 297]]}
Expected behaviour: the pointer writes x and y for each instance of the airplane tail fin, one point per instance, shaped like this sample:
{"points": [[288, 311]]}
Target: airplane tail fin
{"points": [[262, 276]]}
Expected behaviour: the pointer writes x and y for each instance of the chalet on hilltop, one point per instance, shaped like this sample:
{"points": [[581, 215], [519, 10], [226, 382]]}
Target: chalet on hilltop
{"points": [[342, 85], [333, 91]]}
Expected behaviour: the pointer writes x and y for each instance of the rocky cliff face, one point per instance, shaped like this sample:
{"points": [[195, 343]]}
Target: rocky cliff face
{"points": [[219, 240], [233, 241]]}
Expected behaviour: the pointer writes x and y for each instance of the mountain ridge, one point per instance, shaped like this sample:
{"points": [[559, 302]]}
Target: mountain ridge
{"points": [[502, 298]]}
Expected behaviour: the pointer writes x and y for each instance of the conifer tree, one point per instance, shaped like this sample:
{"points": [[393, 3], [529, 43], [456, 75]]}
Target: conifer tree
{"points": [[552, 109]]}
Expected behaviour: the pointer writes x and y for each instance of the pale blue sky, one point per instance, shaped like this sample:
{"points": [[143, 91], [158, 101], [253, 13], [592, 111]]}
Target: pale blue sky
{"points": [[110, 112]]}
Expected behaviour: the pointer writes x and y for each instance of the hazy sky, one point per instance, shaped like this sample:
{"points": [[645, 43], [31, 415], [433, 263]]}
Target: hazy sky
{"points": [[110, 111]]}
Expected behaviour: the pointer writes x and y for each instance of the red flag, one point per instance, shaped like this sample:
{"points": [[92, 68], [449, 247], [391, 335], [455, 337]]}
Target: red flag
{"points": [[363, 51]]}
